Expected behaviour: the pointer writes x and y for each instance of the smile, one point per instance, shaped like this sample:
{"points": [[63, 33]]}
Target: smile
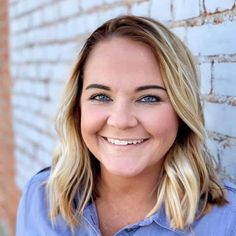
{"points": [[125, 142]]}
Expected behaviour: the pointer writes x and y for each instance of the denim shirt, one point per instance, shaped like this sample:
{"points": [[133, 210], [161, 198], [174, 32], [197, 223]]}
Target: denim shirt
{"points": [[32, 217]]}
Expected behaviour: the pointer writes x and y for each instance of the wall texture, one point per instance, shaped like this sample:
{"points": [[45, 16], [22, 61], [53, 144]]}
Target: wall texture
{"points": [[45, 38], [9, 194]]}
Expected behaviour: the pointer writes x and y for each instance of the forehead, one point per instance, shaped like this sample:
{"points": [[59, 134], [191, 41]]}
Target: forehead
{"points": [[122, 59]]}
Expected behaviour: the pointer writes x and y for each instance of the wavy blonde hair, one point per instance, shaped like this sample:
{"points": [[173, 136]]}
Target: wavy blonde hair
{"points": [[188, 174]]}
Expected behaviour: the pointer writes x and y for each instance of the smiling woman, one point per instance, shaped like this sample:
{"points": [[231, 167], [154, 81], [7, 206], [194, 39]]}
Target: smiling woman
{"points": [[127, 120], [132, 158]]}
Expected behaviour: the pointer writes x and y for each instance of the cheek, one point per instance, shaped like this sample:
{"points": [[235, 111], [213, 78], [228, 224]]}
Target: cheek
{"points": [[163, 122], [92, 119]]}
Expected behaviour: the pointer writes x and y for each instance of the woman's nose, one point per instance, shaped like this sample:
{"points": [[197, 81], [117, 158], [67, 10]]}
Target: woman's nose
{"points": [[122, 117]]}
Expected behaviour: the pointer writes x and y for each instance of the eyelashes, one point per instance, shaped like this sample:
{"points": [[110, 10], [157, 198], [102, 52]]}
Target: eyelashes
{"points": [[100, 98], [150, 99], [147, 99]]}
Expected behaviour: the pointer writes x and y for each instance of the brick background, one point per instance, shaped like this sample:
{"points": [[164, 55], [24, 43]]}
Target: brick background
{"points": [[9, 193], [45, 37]]}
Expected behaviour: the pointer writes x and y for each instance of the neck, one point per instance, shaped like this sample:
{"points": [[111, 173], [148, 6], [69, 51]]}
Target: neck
{"points": [[141, 187]]}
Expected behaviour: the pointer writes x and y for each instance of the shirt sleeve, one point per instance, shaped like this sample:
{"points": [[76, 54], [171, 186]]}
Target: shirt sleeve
{"points": [[21, 213], [32, 208]]}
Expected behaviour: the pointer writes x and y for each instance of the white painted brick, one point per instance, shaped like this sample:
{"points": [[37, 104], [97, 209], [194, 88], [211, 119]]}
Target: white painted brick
{"points": [[60, 30], [49, 33], [87, 23], [45, 70], [107, 15], [55, 90], [24, 6], [32, 71], [224, 81], [20, 183], [51, 53], [22, 143], [161, 10], [22, 86], [50, 13], [13, 42], [11, 11], [70, 30], [13, 27], [47, 143], [141, 9], [33, 135], [36, 104], [26, 55], [61, 71], [39, 89], [212, 6], [39, 122], [205, 70], [44, 157], [87, 4], [23, 23], [37, 18], [18, 100], [38, 53], [184, 9], [15, 57], [15, 70], [111, 1], [37, 36], [20, 40], [228, 160], [39, 4], [180, 32], [69, 51], [49, 111], [213, 39], [68, 8], [20, 7], [213, 148], [220, 118]]}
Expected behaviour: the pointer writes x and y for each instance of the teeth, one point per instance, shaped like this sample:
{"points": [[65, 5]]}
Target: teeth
{"points": [[124, 142]]}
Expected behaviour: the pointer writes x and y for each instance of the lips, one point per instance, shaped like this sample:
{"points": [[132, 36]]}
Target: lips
{"points": [[125, 142]]}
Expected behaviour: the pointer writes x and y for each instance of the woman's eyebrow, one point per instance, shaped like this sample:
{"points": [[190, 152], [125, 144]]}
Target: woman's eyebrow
{"points": [[98, 86], [138, 89], [151, 86]]}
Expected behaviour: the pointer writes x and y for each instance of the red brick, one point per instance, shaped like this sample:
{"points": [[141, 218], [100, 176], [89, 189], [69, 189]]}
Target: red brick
{"points": [[8, 190]]}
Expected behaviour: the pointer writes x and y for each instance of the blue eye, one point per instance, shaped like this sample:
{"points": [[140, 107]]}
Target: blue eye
{"points": [[100, 98], [150, 99]]}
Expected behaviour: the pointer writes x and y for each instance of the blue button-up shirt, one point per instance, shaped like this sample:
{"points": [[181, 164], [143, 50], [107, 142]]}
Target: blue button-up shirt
{"points": [[32, 218]]}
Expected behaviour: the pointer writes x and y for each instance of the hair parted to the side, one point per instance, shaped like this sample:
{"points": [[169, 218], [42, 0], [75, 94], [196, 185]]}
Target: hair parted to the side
{"points": [[188, 173]]}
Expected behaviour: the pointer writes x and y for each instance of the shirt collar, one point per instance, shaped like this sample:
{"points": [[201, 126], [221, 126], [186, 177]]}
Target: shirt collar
{"points": [[159, 217]]}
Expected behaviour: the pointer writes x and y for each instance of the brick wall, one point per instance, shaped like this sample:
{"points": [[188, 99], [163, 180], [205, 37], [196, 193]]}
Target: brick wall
{"points": [[46, 35], [9, 194]]}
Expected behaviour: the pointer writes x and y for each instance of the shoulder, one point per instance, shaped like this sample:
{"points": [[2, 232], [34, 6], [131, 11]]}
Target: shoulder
{"points": [[33, 207], [40, 177], [231, 195], [221, 219], [35, 188]]}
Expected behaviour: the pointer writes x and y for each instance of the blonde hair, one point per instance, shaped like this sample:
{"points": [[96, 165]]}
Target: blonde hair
{"points": [[188, 174]]}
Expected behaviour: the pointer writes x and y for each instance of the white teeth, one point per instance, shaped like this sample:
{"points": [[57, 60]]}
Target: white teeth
{"points": [[124, 142]]}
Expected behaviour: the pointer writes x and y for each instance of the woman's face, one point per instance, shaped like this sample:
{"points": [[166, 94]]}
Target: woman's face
{"points": [[127, 120]]}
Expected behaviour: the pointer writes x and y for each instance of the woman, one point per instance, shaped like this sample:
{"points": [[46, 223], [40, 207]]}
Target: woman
{"points": [[132, 158]]}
